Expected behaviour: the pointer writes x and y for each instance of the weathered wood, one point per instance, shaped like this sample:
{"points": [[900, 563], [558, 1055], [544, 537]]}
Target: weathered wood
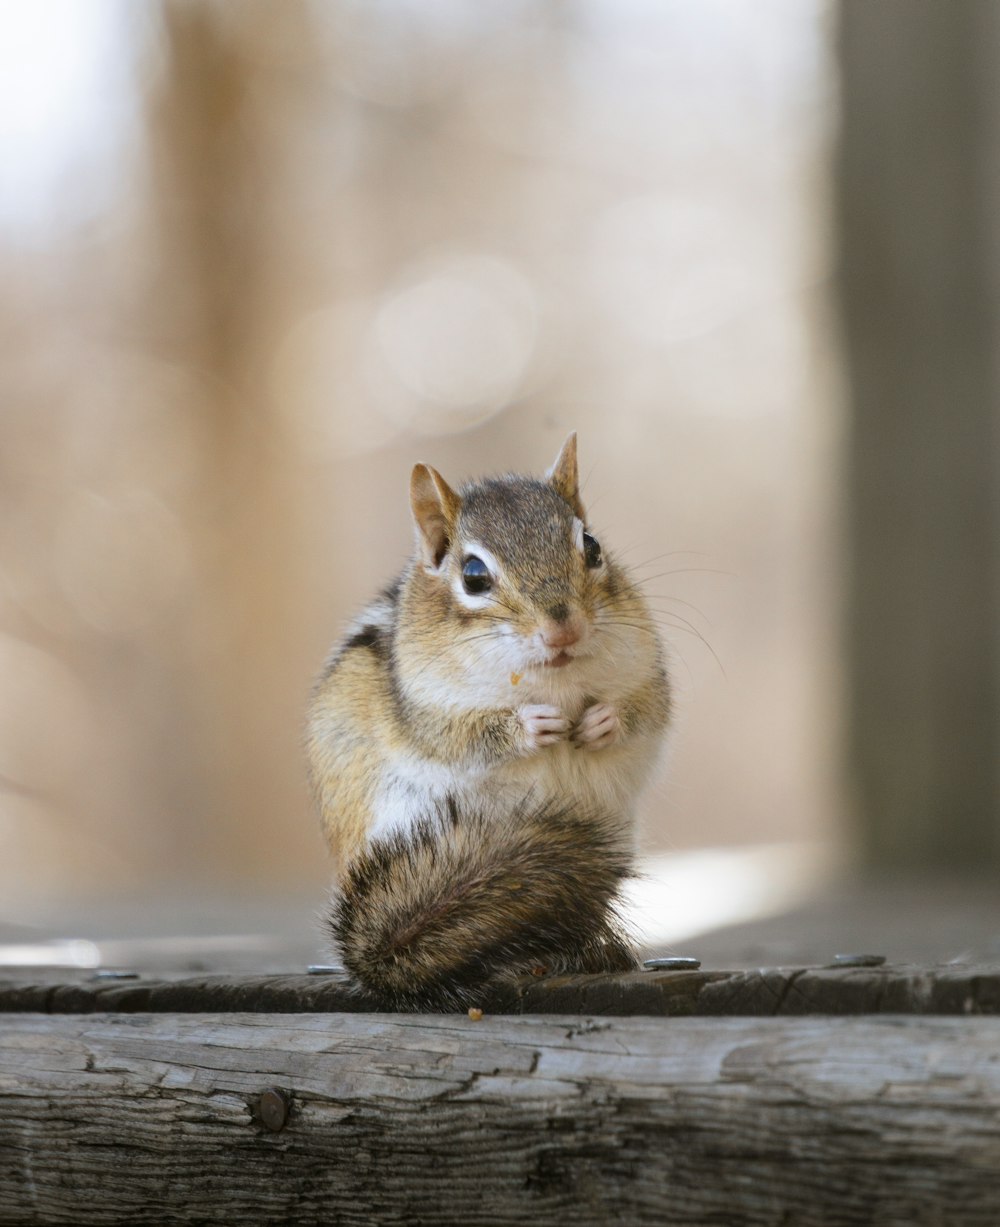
{"points": [[442, 1120], [951, 989]]}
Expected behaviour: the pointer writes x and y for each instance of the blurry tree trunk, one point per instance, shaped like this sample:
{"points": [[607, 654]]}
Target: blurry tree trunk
{"points": [[218, 301], [918, 212]]}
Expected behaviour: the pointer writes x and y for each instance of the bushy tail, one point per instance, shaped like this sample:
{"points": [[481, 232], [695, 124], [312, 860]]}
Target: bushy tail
{"points": [[425, 919]]}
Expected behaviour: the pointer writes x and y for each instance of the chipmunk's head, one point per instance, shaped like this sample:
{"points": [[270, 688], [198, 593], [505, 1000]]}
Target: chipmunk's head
{"points": [[511, 560]]}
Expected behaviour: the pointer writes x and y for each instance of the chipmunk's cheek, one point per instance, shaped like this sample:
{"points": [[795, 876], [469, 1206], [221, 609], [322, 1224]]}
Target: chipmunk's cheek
{"points": [[519, 650], [516, 650]]}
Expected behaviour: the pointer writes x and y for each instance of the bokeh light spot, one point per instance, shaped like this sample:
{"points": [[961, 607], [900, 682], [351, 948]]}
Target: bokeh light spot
{"points": [[454, 345]]}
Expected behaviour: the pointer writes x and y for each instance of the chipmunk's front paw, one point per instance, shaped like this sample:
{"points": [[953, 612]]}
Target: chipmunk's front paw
{"points": [[543, 726], [599, 727]]}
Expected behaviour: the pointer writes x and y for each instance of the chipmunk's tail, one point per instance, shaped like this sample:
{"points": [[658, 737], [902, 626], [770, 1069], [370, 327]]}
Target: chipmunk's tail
{"points": [[425, 919]]}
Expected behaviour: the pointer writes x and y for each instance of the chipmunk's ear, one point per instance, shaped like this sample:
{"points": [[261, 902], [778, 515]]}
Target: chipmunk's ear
{"points": [[435, 508], [563, 476]]}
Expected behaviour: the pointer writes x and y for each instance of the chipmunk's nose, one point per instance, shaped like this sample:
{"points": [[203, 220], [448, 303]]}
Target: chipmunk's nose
{"points": [[561, 629]]}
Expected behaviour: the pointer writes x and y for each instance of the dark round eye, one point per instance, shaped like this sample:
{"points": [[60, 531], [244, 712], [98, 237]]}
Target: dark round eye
{"points": [[591, 551], [475, 576]]}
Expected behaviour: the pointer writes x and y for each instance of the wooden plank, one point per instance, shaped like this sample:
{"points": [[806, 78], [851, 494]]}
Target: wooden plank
{"points": [[402, 1119], [951, 989]]}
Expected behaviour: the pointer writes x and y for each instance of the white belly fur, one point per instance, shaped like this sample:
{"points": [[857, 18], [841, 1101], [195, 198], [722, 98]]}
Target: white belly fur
{"points": [[604, 782]]}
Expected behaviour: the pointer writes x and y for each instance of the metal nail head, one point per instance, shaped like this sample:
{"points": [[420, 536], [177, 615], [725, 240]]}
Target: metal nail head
{"points": [[672, 964], [858, 960], [323, 969], [274, 1105]]}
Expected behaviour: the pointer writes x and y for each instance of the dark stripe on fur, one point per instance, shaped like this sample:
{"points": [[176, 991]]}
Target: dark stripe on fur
{"points": [[391, 591], [368, 637], [426, 919]]}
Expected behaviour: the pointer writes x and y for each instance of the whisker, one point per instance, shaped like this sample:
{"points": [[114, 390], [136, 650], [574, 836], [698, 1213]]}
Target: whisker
{"points": [[467, 639], [669, 613], [678, 601], [687, 604], [648, 562], [675, 649], [649, 579], [670, 618]]}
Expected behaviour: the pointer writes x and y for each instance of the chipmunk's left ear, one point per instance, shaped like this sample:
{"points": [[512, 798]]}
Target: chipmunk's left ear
{"points": [[563, 476], [435, 507]]}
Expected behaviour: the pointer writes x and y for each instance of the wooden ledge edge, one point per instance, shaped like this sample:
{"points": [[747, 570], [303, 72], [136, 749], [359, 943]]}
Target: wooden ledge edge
{"points": [[766, 992]]}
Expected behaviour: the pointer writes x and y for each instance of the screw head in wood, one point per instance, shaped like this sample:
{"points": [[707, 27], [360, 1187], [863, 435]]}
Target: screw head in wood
{"points": [[673, 963], [274, 1105], [858, 960]]}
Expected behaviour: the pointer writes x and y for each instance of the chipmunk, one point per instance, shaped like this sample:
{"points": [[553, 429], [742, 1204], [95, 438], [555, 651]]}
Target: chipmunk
{"points": [[476, 742]]}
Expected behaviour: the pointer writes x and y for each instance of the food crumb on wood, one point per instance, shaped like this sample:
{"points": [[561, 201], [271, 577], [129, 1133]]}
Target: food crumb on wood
{"points": [[475, 1013]]}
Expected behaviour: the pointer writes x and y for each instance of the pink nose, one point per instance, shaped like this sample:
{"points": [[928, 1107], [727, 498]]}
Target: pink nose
{"points": [[560, 635]]}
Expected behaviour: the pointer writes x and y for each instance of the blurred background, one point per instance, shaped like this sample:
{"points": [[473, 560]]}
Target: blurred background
{"points": [[259, 257]]}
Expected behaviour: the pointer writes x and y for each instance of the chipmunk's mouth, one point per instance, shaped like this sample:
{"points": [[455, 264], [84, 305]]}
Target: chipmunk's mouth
{"points": [[557, 661]]}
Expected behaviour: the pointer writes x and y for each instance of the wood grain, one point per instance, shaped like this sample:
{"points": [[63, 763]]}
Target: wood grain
{"points": [[765, 992], [145, 1118]]}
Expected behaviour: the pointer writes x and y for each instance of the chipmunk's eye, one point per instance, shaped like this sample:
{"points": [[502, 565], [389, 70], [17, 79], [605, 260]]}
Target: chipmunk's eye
{"points": [[591, 551], [476, 577]]}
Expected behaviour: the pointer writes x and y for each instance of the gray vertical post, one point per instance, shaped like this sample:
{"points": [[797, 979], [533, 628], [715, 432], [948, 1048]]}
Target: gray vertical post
{"points": [[918, 215]]}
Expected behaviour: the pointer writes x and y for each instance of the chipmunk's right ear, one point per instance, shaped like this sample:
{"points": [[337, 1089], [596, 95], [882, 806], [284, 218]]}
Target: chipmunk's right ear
{"points": [[435, 508]]}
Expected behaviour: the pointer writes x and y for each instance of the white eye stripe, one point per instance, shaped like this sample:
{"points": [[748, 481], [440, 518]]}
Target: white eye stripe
{"points": [[578, 531], [481, 601]]}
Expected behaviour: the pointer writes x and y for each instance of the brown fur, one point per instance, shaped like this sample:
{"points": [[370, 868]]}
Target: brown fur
{"points": [[428, 915], [351, 712], [427, 919]]}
